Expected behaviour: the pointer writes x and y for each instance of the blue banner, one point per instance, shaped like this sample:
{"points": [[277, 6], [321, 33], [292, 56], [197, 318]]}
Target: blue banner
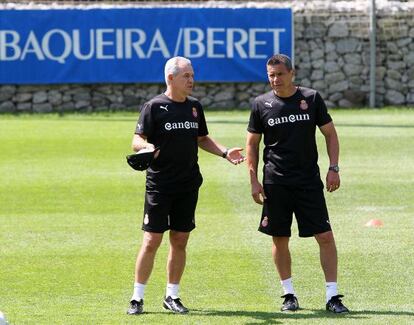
{"points": [[133, 44]]}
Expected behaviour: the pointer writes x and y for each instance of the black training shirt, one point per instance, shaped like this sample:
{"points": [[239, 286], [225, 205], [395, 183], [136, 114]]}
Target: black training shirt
{"points": [[288, 124], [174, 128]]}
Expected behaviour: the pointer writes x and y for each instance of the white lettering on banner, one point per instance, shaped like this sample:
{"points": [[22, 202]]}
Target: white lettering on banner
{"points": [[76, 45], [254, 43], [181, 125], [119, 43], [129, 44], [12, 45], [288, 119], [198, 42], [32, 46], [158, 44], [236, 45], [132, 43], [211, 41], [276, 38], [249, 36], [101, 43], [66, 50]]}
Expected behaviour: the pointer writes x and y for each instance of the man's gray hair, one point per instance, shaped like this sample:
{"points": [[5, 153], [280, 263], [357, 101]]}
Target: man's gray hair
{"points": [[172, 66]]}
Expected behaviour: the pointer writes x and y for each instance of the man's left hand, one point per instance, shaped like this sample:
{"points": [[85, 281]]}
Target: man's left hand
{"points": [[332, 181]]}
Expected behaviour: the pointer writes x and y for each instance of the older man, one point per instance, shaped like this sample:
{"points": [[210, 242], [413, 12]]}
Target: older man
{"points": [[173, 122]]}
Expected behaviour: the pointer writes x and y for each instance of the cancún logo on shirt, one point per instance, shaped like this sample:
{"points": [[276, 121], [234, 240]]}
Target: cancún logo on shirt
{"points": [[288, 119], [181, 125]]}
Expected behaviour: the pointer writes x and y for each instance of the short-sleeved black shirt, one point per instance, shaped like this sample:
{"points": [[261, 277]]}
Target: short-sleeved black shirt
{"points": [[174, 128], [288, 124]]}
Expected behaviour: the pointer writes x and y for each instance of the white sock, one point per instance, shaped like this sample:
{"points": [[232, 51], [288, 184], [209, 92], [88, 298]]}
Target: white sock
{"points": [[331, 290], [172, 290], [287, 286], [139, 289]]}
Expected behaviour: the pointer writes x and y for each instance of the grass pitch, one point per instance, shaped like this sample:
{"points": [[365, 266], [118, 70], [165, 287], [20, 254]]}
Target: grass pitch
{"points": [[71, 209]]}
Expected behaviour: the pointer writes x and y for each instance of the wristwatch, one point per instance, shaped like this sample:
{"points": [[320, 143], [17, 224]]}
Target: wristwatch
{"points": [[224, 154], [334, 168]]}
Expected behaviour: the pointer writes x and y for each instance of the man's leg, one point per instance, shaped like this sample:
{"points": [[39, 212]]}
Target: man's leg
{"points": [[143, 268], [145, 262], [328, 255], [177, 256], [175, 270], [281, 257], [283, 262], [329, 262], [146, 256]]}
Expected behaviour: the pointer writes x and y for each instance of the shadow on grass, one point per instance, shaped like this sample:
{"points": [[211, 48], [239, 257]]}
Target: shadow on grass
{"points": [[258, 317]]}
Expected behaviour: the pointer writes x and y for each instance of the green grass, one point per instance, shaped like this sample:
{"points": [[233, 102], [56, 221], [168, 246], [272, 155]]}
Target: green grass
{"points": [[71, 209]]}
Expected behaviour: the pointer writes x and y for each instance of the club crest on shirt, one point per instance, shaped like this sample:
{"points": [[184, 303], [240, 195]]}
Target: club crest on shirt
{"points": [[195, 112], [265, 222], [303, 105]]}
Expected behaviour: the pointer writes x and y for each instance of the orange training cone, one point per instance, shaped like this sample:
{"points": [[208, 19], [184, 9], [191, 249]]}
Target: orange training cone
{"points": [[374, 223]]}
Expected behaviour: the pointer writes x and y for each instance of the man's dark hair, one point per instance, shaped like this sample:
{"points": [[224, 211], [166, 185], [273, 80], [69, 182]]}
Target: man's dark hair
{"points": [[280, 59]]}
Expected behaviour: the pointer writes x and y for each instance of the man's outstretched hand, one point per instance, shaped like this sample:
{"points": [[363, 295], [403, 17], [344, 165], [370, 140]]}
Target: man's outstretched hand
{"points": [[234, 156]]}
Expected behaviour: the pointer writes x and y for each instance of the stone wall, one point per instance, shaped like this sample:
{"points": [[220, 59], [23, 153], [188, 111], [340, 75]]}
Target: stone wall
{"points": [[331, 55]]}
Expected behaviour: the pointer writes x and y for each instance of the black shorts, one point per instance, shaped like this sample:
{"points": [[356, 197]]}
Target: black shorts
{"points": [[282, 201], [164, 212]]}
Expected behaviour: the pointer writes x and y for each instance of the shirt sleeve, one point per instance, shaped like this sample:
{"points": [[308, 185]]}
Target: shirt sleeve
{"points": [[322, 115], [255, 122], [145, 124], [202, 124]]}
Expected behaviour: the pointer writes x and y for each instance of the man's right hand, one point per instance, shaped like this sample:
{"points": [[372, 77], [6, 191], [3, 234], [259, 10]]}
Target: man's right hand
{"points": [[258, 193], [150, 146]]}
